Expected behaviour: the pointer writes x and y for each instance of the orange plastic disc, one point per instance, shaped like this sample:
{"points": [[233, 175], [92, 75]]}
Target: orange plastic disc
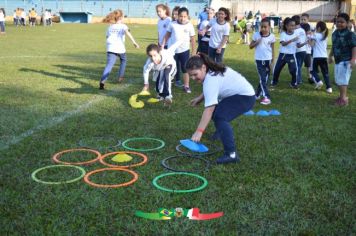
{"points": [[86, 178], [57, 156], [144, 157]]}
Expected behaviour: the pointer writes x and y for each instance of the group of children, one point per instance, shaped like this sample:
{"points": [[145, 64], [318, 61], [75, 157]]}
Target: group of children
{"points": [[226, 93], [20, 16]]}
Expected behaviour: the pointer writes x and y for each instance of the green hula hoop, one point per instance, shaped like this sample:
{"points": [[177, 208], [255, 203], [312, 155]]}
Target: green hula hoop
{"points": [[33, 175], [205, 183], [124, 144]]}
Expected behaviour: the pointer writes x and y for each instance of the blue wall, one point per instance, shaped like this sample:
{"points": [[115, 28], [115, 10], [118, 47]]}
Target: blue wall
{"points": [[138, 8]]}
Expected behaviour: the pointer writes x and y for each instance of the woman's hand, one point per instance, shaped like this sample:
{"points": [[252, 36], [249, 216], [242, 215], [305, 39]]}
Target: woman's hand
{"points": [[197, 136], [194, 102]]}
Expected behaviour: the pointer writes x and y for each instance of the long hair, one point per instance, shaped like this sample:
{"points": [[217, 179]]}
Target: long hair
{"points": [[197, 61], [227, 13], [324, 30], [286, 22], [164, 7], [113, 17], [296, 19]]}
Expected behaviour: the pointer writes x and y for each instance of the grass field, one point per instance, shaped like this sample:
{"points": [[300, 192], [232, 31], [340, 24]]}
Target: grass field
{"points": [[297, 171]]}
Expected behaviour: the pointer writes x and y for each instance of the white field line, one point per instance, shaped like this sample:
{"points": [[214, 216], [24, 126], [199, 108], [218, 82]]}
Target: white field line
{"points": [[54, 120]]}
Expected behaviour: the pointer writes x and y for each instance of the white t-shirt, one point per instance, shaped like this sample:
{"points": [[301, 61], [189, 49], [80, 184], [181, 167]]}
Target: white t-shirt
{"points": [[218, 31], [2, 16], [167, 59], [263, 51], [320, 46], [162, 26], [290, 48], [115, 38], [302, 37], [180, 32], [218, 87]]}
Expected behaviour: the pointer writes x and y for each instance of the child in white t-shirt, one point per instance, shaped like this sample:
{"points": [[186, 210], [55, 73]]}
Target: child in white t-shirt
{"points": [[204, 41], [162, 62], [301, 47], [2, 21], [320, 56], [182, 30], [287, 50], [263, 42], [163, 23], [219, 34], [226, 94], [115, 45]]}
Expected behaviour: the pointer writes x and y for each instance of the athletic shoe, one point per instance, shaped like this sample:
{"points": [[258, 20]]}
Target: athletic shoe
{"points": [[225, 159], [258, 97], [293, 86], [167, 101], [101, 86], [265, 101], [329, 90], [319, 85], [187, 89]]}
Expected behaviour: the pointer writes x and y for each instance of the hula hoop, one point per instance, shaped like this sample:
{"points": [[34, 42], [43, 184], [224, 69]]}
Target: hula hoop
{"points": [[33, 175], [165, 165], [205, 183], [124, 144], [215, 150], [96, 139], [144, 157], [58, 154], [134, 174]]}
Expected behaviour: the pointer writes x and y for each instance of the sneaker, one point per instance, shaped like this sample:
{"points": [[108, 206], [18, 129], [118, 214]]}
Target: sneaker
{"points": [[293, 86], [167, 101], [265, 101], [258, 97], [101, 86], [225, 159], [329, 90], [319, 85], [178, 83], [187, 89]]}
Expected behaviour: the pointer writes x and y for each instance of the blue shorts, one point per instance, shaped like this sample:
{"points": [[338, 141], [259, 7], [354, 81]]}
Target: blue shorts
{"points": [[342, 73]]}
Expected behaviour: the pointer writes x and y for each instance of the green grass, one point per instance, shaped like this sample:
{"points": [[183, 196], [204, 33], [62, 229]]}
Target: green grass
{"points": [[297, 171]]}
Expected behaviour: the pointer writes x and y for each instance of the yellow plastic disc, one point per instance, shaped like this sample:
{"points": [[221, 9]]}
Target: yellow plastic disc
{"points": [[121, 158], [144, 93], [153, 100], [134, 103]]}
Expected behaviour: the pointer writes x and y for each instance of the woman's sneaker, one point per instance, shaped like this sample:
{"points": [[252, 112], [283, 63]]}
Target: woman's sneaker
{"points": [[101, 86], [329, 90], [187, 89], [319, 85], [265, 101], [231, 158]]}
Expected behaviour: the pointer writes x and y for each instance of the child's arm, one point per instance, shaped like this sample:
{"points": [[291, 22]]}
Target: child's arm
{"points": [[165, 39], [353, 60], [285, 43], [204, 121], [146, 72], [223, 42], [197, 100], [331, 55], [131, 38], [272, 61], [192, 43], [255, 43]]}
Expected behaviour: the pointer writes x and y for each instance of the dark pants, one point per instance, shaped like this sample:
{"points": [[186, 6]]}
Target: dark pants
{"points": [[292, 66], [300, 59], [181, 59], [217, 57], [263, 70], [2, 26], [204, 47], [163, 82], [111, 59], [323, 64], [227, 110]]}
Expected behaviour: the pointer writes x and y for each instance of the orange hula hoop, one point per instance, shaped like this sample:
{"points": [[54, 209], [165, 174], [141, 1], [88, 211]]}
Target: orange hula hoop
{"points": [[144, 157], [56, 156], [86, 178]]}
